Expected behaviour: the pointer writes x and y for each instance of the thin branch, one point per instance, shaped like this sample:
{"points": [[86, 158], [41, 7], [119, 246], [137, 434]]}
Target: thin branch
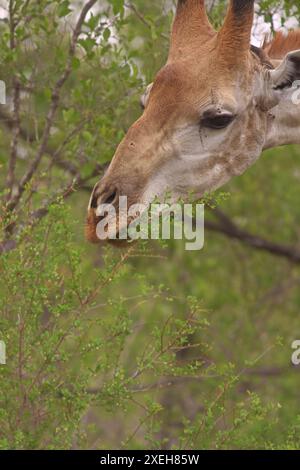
{"points": [[133, 8], [8, 121], [55, 155], [141, 17], [16, 106], [55, 98], [12, 25], [173, 381], [76, 184], [228, 228], [16, 129]]}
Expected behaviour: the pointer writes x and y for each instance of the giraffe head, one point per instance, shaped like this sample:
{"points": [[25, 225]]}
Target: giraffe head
{"points": [[209, 114]]}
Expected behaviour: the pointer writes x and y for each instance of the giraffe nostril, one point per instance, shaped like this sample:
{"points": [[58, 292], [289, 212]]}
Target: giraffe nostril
{"points": [[101, 197], [94, 202], [110, 199]]}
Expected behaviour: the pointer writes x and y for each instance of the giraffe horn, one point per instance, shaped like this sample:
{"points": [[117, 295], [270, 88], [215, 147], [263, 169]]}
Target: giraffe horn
{"points": [[191, 27], [235, 35]]}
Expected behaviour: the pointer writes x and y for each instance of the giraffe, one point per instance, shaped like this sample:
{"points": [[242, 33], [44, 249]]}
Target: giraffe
{"points": [[209, 114]]}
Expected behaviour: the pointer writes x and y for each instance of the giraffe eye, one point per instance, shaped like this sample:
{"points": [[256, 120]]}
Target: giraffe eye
{"points": [[217, 121]]}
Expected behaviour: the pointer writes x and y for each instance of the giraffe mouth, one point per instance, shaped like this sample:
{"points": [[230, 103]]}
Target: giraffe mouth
{"points": [[91, 231]]}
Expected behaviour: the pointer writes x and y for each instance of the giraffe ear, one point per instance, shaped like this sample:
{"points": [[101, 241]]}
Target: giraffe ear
{"points": [[287, 72], [279, 84]]}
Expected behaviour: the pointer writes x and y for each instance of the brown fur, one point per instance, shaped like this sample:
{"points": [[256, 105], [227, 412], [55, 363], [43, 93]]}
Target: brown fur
{"points": [[90, 227], [281, 44], [262, 56]]}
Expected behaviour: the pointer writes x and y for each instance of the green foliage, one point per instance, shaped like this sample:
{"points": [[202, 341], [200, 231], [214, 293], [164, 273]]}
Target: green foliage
{"points": [[69, 340]]}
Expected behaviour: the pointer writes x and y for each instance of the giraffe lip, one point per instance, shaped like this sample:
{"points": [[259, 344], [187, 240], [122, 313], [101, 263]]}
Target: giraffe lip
{"points": [[91, 231]]}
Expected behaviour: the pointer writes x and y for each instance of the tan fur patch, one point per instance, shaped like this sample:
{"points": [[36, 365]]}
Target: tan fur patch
{"points": [[90, 227], [281, 44]]}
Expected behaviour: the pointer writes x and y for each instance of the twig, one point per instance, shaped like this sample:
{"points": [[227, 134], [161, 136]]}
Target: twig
{"points": [[16, 106], [55, 98], [16, 126], [12, 25], [227, 227], [55, 155], [139, 15], [74, 185]]}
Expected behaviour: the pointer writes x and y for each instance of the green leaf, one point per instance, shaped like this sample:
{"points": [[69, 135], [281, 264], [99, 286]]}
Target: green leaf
{"points": [[93, 22], [106, 34], [75, 63], [88, 137], [118, 6], [64, 9], [87, 44], [69, 115]]}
